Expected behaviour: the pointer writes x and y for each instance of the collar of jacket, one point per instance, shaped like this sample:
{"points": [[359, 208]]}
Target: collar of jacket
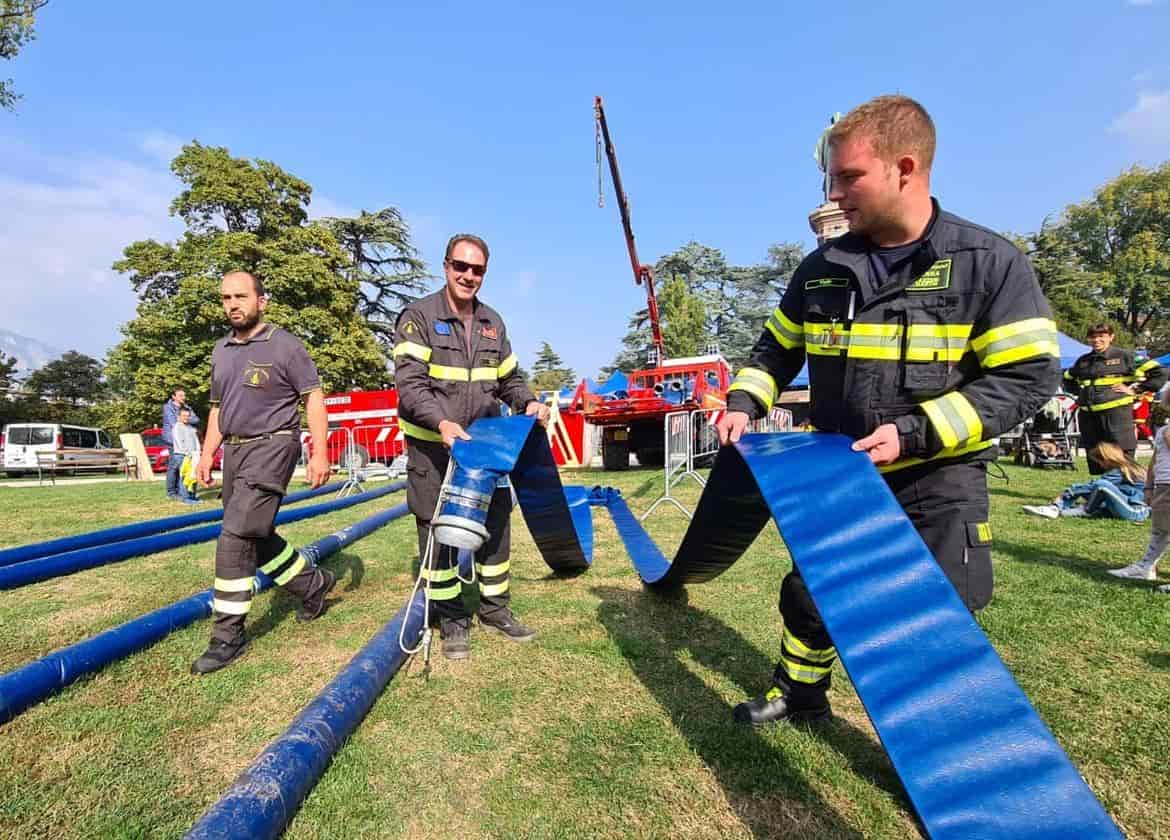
{"points": [[851, 251], [478, 312]]}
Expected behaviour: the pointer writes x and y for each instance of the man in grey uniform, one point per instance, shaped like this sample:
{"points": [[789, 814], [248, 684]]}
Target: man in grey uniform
{"points": [[259, 373]]}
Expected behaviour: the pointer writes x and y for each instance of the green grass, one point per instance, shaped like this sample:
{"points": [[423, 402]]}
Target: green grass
{"points": [[614, 722]]}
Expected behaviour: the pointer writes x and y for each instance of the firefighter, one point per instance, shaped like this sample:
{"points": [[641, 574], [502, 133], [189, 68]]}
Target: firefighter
{"points": [[259, 374], [1105, 381], [453, 365], [926, 337]]}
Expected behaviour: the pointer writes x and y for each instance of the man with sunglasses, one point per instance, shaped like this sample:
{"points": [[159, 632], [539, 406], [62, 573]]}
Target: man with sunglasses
{"points": [[452, 365]]}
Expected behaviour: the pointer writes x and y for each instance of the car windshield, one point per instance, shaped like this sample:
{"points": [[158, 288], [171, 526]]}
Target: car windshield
{"points": [[153, 440], [30, 435]]}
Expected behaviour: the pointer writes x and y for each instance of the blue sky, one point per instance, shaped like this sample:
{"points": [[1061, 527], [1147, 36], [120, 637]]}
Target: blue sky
{"points": [[479, 117]]}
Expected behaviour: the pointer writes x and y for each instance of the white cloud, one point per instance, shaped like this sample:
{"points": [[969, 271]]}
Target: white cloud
{"points": [[1147, 123], [63, 222], [161, 146]]}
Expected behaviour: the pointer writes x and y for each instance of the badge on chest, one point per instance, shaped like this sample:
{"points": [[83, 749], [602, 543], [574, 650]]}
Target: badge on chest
{"points": [[442, 328]]}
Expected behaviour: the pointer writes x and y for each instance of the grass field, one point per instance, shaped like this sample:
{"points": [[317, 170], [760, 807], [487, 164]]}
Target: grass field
{"points": [[614, 722]]}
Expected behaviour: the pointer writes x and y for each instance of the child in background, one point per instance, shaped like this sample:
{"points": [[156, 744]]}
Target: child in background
{"points": [[1157, 496], [185, 446], [1119, 493]]}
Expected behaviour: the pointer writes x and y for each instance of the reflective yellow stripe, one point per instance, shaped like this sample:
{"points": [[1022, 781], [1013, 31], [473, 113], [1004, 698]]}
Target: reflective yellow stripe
{"points": [[231, 607], [292, 571], [942, 453], [439, 575], [802, 650], [787, 332], [984, 530], [235, 584], [800, 672], [493, 589], [409, 348], [1016, 342], [937, 342], [507, 366], [417, 432], [955, 419], [275, 563], [485, 374], [444, 593], [759, 383], [1068, 375], [1105, 406], [1106, 380], [1150, 365], [453, 374], [491, 570]]}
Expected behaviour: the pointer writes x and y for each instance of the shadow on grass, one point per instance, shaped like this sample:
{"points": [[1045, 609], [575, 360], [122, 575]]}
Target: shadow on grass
{"points": [[282, 603], [1159, 659], [347, 561], [1090, 568], [651, 631]]}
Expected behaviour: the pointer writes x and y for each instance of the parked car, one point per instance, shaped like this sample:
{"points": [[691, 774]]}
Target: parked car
{"points": [[159, 451], [22, 442]]}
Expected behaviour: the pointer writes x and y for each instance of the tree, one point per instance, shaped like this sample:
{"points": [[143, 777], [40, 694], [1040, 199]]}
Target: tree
{"points": [[383, 262], [17, 27], [240, 214], [8, 365], [684, 320], [1112, 254], [549, 372], [74, 377]]}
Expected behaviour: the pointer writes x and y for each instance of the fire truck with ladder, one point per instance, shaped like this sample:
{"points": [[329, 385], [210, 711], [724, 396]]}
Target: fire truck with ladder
{"points": [[633, 420]]}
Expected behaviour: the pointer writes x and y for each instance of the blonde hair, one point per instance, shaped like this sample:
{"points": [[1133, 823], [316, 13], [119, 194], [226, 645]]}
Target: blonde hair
{"points": [[1111, 456], [895, 124]]}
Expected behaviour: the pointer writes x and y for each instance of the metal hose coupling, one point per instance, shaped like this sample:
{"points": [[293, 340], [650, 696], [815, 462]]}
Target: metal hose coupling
{"points": [[464, 500]]}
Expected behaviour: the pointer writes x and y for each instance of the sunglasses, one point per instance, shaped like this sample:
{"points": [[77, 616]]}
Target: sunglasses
{"points": [[459, 266]]}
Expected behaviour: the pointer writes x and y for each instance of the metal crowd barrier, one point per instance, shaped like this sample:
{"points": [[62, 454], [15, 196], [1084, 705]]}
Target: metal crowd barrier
{"points": [[691, 441], [365, 453]]}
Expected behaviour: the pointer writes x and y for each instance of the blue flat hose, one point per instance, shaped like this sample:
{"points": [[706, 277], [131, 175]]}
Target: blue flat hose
{"points": [[264, 798], [44, 568], [20, 553], [22, 687], [973, 755]]}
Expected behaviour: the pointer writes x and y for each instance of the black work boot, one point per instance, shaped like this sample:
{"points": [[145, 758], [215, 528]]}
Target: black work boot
{"points": [[219, 655], [455, 633], [503, 621], [774, 705], [314, 605]]}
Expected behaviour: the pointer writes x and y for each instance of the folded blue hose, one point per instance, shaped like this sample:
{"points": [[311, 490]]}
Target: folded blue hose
{"points": [[264, 798], [22, 687], [43, 568], [20, 553], [973, 755]]}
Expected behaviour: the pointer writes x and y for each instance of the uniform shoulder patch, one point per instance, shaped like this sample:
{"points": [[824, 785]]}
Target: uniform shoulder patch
{"points": [[409, 328], [826, 283], [442, 328], [489, 332], [938, 276]]}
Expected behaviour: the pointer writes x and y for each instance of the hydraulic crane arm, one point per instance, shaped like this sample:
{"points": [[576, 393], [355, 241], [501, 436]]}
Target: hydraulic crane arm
{"points": [[643, 274]]}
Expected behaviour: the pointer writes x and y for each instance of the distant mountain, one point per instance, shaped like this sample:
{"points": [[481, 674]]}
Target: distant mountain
{"points": [[30, 353]]}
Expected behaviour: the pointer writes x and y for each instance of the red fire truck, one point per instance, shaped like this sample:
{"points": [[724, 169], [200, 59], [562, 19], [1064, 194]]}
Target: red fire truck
{"points": [[634, 421], [370, 419]]}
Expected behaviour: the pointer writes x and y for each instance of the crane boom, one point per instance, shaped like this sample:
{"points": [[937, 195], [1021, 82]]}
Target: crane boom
{"points": [[643, 274]]}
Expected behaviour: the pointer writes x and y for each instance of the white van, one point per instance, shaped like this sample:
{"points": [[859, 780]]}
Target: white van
{"points": [[22, 442]]}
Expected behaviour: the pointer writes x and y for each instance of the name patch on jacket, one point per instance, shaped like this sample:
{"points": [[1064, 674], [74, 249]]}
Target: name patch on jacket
{"points": [[489, 332], [442, 328], [826, 283], [938, 276]]}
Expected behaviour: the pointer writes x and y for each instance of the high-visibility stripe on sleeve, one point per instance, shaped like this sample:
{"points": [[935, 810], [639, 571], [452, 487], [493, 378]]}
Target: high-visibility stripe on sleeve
{"points": [[410, 348], [1146, 368], [231, 607], [955, 419], [417, 432], [246, 584], [1016, 342], [786, 331], [507, 366], [1105, 406], [759, 383]]}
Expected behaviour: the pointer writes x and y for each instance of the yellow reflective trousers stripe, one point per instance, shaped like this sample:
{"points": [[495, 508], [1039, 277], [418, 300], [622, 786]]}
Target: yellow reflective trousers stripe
{"points": [[235, 584], [493, 589], [231, 607], [493, 569]]}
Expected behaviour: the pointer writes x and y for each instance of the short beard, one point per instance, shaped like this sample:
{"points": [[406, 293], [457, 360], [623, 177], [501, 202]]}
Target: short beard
{"points": [[246, 324]]}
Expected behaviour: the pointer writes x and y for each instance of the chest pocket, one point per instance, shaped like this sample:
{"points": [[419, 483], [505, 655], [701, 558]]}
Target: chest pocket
{"points": [[486, 372], [826, 316], [932, 343]]}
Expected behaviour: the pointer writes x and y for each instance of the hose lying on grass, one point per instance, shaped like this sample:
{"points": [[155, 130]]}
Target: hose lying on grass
{"points": [[32, 683]]}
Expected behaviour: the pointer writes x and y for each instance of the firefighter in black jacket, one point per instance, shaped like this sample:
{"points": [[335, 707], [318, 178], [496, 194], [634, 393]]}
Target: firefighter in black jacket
{"points": [[1104, 381], [452, 365], [926, 337]]}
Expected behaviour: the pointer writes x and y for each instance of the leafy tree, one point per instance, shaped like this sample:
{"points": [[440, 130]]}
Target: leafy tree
{"points": [[7, 371], [383, 262], [74, 377], [684, 320], [549, 372], [240, 214], [17, 27]]}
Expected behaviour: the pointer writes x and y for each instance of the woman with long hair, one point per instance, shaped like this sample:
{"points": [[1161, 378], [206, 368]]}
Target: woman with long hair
{"points": [[1118, 493]]}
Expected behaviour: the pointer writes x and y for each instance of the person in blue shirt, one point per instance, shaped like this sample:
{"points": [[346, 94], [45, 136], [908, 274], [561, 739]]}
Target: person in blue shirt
{"points": [[170, 416], [1118, 493]]}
